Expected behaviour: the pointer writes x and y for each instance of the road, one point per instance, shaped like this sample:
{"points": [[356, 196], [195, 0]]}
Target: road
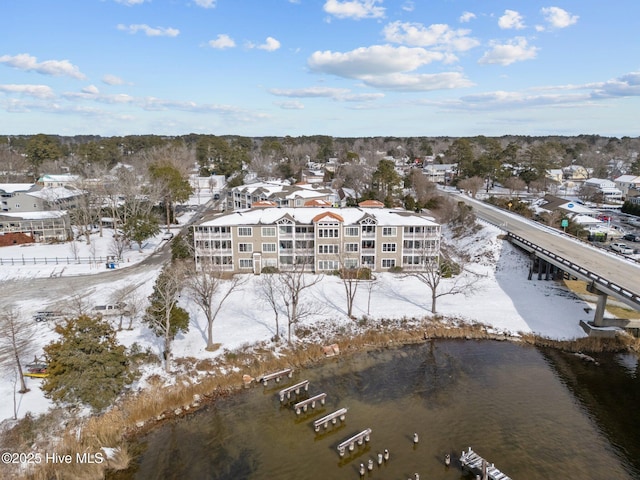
{"points": [[622, 271]]}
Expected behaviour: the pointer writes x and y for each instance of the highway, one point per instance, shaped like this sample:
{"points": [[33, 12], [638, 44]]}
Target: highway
{"points": [[617, 269]]}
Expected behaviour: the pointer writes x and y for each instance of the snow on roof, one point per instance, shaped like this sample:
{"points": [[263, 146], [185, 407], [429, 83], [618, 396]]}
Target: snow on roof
{"points": [[58, 178], [305, 215], [55, 193], [35, 215], [16, 187]]}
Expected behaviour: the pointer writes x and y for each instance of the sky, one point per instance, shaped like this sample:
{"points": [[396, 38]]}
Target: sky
{"points": [[345, 68]]}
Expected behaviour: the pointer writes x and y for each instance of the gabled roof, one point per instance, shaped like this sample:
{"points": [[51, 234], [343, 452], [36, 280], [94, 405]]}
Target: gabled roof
{"points": [[324, 215], [317, 202], [371, 204], [263, 204]]}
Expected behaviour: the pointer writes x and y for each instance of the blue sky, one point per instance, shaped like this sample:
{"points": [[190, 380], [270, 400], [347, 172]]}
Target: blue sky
{"points": [[346, 68]]}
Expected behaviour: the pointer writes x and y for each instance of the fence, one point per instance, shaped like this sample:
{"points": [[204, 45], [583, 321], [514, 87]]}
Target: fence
{"points": [[55, 260]]}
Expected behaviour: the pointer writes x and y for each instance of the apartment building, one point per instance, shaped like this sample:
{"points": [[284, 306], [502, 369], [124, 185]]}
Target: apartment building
{"points": [[321, 239], [283, 194]]}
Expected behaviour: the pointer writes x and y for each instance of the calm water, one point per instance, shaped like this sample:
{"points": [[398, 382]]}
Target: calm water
{"points": [[535, 414]]}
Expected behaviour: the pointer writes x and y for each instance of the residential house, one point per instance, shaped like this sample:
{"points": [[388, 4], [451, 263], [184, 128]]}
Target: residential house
{"points": [[283, 194], [321, 239], [606, 187], [624, 183], [53, 226], [439, 173], [51, 180]]}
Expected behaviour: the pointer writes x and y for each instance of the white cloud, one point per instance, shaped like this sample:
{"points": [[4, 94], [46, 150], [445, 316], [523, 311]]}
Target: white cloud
{"points": [[511, 20], [30, 63], [222, 41], [408, 6], [438, 35], [387, 67], [422, 82], [270, 45], [291, 105], [513, 51], [338, 94], [129, 3], [150, 31], [374, 60], [206, 3], [112, 80], [625, 86], [558, 18], [91, 89], [356, 9], [310, 92], [466, 17], [38, 91]]}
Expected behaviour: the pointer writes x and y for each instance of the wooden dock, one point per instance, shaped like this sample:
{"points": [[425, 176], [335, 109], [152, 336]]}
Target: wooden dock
{"points": [[473, 462]]}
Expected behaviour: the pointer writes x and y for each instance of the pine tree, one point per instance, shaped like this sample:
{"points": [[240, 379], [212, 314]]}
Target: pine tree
{"points": [[86, 365]]}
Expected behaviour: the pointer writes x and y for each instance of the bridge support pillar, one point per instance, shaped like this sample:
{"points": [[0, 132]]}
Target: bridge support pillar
{"points": [[598, 318]]}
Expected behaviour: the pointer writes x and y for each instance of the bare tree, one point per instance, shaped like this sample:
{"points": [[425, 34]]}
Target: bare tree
{"points": [[473, 185], [514, 184], [270, 294], [127, 297], [351, 276], [16, 340], [371, 285], [163, 315], [435, 270], [204, 285], [292, 285]]}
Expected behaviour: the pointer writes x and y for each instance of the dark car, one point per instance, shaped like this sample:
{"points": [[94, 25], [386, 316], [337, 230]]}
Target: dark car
{"points": [[632, 237]]}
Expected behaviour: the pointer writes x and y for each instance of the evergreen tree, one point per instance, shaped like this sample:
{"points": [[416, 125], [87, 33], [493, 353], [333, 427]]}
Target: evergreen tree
{"points": [[86, 364]]}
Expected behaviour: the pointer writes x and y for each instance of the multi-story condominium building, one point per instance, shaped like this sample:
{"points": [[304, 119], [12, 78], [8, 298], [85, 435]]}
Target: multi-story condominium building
{"points": [[321, 239], [282, 194]]}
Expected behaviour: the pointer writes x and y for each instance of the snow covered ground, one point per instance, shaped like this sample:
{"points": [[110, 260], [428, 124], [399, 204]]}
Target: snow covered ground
{"points": [[503, 299]]}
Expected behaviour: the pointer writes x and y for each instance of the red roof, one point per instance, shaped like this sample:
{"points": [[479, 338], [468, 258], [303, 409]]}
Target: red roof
{"points": [[323, 215], [371, 204]]}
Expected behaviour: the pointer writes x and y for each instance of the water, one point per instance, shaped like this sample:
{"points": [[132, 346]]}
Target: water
{"points": [[535, 414]]}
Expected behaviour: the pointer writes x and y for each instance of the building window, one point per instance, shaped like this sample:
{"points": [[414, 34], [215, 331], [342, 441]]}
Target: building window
{"points": [[368, 229], [350, 263], [246, 263], [351, 247], [268, 231], [328, 232], [328, 249], [368, 244], [286, 244], [351, 231], [368, 260], [389, 247], [245, 231], [388, 262], [328, 265], [389, 231], [222, 244], [245, 247], [268, 247]]}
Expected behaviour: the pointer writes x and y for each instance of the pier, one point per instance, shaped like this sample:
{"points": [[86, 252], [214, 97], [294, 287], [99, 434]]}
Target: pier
{"points": [[474, 463], [276, 376], [332, 417], [303, 405], [350, 443], [286, 392]]}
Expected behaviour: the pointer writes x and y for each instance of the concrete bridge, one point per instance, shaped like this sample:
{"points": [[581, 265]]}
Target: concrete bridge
{"points": [[607, 274]]}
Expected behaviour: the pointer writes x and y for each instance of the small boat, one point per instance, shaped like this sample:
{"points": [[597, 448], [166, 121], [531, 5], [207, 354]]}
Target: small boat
{"points": [[36, 369]]}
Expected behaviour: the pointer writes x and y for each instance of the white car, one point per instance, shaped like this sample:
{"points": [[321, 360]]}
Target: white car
{"points": [[621, 248]]}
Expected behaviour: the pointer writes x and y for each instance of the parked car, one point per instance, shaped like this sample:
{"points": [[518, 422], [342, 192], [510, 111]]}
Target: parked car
{"points": [[632, 237], [167, 236], [621, 248], [111, 309], [47, 315]]}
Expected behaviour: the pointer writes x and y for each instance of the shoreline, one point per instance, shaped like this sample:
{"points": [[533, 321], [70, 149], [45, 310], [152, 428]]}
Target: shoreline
{"points": [[137, 414]]}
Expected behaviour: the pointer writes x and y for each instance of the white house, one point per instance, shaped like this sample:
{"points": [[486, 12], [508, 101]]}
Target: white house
{"points": [[627, 182]]}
